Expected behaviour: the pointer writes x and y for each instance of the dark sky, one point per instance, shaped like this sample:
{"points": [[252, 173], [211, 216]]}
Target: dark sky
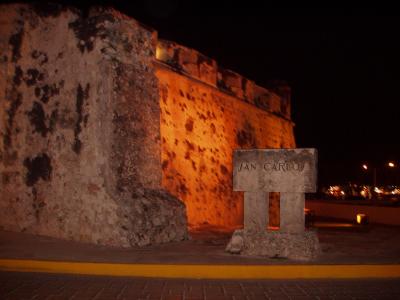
{"points": [[343, 66], [344, 71]]}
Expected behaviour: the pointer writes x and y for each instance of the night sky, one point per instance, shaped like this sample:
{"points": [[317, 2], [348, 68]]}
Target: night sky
{"points": [[343, 67], [344, 72]]}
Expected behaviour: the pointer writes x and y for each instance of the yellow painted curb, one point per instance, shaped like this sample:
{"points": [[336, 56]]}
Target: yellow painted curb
{"points": [[204, 271]]}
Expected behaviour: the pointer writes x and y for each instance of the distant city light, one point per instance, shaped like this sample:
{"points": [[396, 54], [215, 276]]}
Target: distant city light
{"points": [[390, 164], [396, 191], [365, 167]]}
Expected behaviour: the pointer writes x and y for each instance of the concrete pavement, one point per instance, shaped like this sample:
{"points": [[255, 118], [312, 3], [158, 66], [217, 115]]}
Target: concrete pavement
{"points": [[58, 286], [341, 243], [347, 252]]}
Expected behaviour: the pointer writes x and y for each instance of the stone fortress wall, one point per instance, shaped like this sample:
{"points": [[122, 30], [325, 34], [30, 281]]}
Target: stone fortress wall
{"points": [[79, 135], [105, 129], [207, 112]]}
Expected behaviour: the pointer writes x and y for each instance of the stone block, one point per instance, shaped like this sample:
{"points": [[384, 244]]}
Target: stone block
{"points": [[207, 69], [188, 59], [292, 212], [248, 90], [275, 170], [254, 203], [274, 244], [291, 172], [230, 81]]}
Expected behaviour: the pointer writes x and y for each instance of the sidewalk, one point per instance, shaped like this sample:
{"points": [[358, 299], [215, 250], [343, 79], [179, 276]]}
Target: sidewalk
{"points": [[67, 287], [347, 251]]}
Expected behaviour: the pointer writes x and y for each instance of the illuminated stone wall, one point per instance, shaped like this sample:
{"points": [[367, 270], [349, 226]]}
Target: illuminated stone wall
{"points": [[106, 132], [79, 128], [206, 112]]}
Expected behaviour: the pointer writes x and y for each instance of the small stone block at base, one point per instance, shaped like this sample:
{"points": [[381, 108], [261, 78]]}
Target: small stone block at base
{"points": [[275, 244]]}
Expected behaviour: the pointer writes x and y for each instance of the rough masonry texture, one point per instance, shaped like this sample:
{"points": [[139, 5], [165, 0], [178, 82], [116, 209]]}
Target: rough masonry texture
{"points": [[270, 170], [206, 113], [110, 135], [291, 172], [79, 135]]}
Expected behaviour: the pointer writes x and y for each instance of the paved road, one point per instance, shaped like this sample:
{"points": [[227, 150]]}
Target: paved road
{"points": [[340, 245], [54, 286]]}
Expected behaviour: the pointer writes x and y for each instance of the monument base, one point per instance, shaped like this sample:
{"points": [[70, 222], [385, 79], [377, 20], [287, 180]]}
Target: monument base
{"points": [[275, 244]]}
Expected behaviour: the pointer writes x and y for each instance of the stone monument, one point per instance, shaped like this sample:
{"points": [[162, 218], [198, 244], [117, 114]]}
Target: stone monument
{"points": [[292, 172]]}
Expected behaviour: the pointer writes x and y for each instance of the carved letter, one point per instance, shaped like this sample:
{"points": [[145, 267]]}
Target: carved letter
{"points": [[267, 167]]}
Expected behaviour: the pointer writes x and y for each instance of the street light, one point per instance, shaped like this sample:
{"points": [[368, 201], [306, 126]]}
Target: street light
{"points": [[366, 167]]}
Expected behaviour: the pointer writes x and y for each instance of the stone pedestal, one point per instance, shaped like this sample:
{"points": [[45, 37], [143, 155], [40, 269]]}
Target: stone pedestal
{"points": [[254, 202], [292, 212], [292, 172], [275, 244]]}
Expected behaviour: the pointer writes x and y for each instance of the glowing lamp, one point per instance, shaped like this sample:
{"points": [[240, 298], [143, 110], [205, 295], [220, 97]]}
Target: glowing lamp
{"points": [[362, 219], [365, 167], [390, 164]]}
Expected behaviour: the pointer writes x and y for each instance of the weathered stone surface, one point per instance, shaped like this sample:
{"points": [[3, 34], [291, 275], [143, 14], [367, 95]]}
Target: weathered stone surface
{"points": [[78, 136], [292, 212], [290, 172], [200, 127], [159, 217], [193, 64], [275, 170], [256, 211], [206, 113], [81, 96], [275, 244], [236, 244]]}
